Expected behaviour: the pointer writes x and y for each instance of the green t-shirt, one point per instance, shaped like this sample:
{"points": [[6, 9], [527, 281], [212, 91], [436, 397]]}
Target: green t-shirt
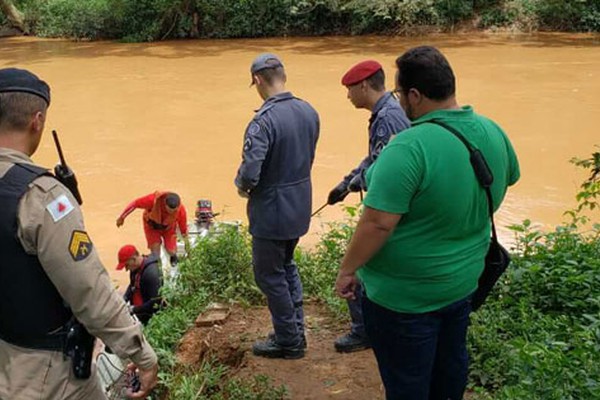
{"points": [[436, 253]]}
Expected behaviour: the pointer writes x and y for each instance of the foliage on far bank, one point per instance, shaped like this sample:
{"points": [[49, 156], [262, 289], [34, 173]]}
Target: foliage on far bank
{"points": [[151, 20]]}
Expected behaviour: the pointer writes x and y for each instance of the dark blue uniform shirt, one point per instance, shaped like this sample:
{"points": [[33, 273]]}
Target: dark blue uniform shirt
{"points": [[279, 149], [387, 119]]}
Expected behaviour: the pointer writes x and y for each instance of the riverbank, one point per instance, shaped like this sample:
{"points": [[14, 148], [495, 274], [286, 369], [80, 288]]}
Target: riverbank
{"points": [[153, 20], [535, 338]]}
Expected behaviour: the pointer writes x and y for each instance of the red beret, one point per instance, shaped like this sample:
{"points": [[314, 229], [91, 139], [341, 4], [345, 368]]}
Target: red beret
{"points": [[360, 72]]}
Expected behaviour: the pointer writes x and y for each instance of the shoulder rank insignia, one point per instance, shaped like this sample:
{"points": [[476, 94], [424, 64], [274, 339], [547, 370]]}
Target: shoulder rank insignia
{"points": [[247, 144], [80, 245]]}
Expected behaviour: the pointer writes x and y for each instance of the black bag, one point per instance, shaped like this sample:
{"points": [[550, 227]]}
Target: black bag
{"points": [[497, 257], [496, 262]]}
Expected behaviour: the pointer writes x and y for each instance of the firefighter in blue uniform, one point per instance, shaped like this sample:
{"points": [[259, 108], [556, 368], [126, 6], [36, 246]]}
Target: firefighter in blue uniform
{"points": [[275, 177], [365, 83], [50, 273]]}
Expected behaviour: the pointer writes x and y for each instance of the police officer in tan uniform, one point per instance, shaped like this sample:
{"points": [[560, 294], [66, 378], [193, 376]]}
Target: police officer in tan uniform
{"points": [[50, 273]]}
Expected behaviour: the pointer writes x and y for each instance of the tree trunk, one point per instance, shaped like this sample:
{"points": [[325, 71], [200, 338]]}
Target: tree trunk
{"points": [[14, 16]]}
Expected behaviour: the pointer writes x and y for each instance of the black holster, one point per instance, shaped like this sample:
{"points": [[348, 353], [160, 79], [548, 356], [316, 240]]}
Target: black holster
{"points": [[79, 346]]}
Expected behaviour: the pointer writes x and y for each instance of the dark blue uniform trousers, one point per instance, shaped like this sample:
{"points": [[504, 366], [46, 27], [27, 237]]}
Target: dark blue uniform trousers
{"points": [[357, 326], [276, 274]]}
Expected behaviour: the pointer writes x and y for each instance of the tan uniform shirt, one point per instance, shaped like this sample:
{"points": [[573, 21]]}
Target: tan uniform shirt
{"points": [[59, 241]]}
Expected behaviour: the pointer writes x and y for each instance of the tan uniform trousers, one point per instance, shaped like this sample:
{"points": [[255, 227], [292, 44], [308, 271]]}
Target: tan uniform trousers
{"points": [[27, 374]]}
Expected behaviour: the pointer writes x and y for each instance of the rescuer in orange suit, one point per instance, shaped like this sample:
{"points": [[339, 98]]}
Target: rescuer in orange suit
{"points": [[163, 213]]}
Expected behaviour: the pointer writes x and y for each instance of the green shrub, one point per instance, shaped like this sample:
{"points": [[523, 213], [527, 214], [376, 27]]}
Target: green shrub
{"points": [[538, 336], [74, 18]]}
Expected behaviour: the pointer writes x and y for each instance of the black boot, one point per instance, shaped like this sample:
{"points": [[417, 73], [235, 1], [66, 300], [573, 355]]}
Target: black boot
{"points": [[271, 349], [271, 336], [351, 342]]}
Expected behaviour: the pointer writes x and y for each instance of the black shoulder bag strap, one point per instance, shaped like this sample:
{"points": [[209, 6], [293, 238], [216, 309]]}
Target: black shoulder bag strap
{"points": [[497, 257], [481, 168]]}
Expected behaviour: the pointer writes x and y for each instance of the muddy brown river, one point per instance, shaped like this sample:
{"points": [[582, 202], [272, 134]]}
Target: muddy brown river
{"points": [[134, 118]]}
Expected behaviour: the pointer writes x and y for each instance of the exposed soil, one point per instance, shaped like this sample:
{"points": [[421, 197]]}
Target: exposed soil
{"points": [[321, 374]]}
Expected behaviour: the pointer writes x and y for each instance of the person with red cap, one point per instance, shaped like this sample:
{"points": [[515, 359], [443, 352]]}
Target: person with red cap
{"points": [[145, 281], [163, 213], [366, 89]]}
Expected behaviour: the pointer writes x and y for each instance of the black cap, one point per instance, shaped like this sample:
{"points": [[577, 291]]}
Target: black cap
{"points": [[20, 80], [172, 200]]}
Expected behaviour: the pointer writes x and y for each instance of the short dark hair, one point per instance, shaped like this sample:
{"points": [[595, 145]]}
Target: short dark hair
{"points": [[269, 75], [377, 80], [172, 200], [426, 69], [17, 108]]}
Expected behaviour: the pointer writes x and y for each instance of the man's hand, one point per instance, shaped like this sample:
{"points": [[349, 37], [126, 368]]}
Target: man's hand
{"points": [[120, 222], [148, 379], [338, 194], [345, 285], [243, 193]]}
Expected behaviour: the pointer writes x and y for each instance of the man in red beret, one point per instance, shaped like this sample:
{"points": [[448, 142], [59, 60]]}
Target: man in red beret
{"points": [[145, 281], [366, 89]]}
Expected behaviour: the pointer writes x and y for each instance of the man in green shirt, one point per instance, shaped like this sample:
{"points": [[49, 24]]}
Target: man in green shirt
{"points": [[420, 244]]}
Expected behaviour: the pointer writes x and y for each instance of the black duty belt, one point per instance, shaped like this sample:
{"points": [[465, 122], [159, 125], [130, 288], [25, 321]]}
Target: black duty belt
{"points": [[51, 342]]}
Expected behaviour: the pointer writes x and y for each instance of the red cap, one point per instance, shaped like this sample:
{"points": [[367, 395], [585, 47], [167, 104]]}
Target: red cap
{"points": [[360, 72], [125, 253]]}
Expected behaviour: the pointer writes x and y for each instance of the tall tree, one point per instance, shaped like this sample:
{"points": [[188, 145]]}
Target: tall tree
{"points": [[14, 16]]}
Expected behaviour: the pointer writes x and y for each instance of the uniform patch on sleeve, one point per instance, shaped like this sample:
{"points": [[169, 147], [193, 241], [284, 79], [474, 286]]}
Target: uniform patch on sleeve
{"points": [[381, 131], [80, 245], [60, 207], [254, 128]]}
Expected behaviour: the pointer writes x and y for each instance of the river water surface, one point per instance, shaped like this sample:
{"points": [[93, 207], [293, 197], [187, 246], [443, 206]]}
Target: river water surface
{"points": [[134, 118]]}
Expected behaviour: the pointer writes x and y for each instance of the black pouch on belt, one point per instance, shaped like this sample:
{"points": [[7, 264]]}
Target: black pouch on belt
{"points": [[79, 346]]}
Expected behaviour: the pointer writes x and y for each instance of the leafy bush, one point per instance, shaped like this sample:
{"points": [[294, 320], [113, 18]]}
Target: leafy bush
{"points": [[538, 337]]}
